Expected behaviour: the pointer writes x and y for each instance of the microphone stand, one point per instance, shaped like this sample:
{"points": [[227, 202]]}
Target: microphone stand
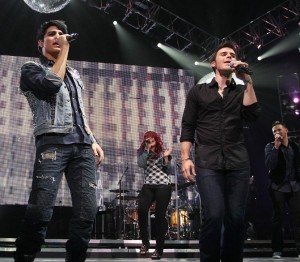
{"points": [[121, 201], [176, 201]]}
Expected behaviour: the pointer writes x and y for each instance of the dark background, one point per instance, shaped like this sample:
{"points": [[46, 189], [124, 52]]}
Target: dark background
{"points": [[98, 42]]}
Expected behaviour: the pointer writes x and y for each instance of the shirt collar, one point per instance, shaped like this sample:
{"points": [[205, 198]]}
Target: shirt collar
{"points": [[214, 83], [46, 62]]}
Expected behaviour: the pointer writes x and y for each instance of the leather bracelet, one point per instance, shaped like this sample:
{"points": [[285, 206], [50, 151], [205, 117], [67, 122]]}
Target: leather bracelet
{"points": [[183, 160], [248, 82]]}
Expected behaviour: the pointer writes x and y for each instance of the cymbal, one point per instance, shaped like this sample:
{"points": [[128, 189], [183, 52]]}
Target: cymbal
{"points": [[184, 185], [187, 184], [118, 191], [127, 197]]}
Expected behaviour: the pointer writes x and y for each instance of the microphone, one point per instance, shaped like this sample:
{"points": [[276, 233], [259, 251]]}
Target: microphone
{"points": [[147, 140], [72, 37], [241, 69]]}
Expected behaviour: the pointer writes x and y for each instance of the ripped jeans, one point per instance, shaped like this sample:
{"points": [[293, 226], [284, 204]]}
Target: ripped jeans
{"points": [[77, 162]]}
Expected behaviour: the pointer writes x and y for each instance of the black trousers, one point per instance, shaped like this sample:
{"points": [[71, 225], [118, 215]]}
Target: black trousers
{"points": [[162, 195], [279, 199]]}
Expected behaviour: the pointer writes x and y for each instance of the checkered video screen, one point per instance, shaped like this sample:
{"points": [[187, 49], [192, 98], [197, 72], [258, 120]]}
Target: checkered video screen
{"points": [[122, 102]]}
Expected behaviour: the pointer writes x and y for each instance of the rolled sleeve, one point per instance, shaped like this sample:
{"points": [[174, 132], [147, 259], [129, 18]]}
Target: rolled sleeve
{"points": [[37, 78], [251, 113]]}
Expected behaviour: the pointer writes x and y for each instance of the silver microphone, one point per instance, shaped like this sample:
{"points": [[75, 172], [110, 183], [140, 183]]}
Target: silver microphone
{"points": [[72, 37]]}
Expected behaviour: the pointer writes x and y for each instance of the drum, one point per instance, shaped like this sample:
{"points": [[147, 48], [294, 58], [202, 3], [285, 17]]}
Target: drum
{"points": [[131, 216], [182, 215]]}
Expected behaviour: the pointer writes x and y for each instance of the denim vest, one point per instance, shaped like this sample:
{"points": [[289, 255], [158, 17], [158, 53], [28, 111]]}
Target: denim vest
{"points": [[52, 112]]}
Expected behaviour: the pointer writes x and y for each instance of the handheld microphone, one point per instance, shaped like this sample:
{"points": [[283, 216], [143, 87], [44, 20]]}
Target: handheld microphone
{"points": [[72, 37], [147, 140], [241, 69]]}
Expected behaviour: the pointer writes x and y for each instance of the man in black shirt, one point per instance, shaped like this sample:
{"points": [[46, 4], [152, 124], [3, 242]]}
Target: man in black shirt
{"points": [[213, 120], [283, 161]]}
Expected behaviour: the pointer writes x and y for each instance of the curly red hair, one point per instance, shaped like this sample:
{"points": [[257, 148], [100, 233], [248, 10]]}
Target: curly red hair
{"points": [[159, 143]]}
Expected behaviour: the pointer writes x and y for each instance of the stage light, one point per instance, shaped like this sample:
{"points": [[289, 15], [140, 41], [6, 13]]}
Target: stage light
{"points": [[196, 63], [259, 58], [47, 6], [296, 100], [159, 45], [115, 22], [297, 112]]}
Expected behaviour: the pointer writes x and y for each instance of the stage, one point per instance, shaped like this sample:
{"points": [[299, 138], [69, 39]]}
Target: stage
{"points": [[287, 259], [128, 250]]}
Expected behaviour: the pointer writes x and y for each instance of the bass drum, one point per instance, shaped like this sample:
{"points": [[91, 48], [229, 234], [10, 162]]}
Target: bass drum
{"points": [[182, 219], [184, 222]]}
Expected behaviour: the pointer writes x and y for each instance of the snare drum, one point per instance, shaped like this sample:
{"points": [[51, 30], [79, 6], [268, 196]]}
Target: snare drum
{"points": [[131, 216]]}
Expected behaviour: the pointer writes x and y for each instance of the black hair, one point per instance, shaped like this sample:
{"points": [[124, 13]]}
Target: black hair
{"points": [[279, 123], [229, 44], [61, 25]]}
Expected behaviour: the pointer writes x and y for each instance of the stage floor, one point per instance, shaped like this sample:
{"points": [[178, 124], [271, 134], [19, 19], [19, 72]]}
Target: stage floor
{"points": [[286, 259], [105, 250]]}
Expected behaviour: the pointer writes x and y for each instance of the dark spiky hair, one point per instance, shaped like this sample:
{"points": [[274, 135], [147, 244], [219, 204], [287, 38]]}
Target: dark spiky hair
{"points": [[61, 25]]}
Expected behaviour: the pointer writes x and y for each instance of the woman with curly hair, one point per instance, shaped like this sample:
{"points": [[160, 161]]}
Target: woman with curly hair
{"points": [[156, 162]]}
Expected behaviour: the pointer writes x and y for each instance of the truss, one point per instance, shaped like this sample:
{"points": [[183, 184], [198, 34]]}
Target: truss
{"points": [[267, 28], [166, 27]]}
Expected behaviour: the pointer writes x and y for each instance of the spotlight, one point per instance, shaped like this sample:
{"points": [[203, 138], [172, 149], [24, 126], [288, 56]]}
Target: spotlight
{"points": [[159, 45], [296, 100], [115, 22], [196, 63], [259, 58], [257, 41], [297, 112]]}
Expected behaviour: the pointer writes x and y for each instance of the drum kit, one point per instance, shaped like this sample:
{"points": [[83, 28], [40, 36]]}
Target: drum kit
{"points": [[123, 209], [183, 218], [124, 216]]}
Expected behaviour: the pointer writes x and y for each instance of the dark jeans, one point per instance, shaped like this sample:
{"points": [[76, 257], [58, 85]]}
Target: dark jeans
{"points": [[78, 164], [162, 195], [223, 199], [279, 199]]}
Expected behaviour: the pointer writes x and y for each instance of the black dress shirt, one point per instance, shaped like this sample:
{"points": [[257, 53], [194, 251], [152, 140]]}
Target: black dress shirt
{"points": [[218, 124]]}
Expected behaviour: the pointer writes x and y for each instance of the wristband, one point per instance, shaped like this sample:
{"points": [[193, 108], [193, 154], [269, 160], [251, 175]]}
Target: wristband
{"points": [[183, 160]]}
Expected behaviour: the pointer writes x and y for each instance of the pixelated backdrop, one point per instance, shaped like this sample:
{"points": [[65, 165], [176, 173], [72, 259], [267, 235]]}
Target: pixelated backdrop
{"points": [[121, 102]]}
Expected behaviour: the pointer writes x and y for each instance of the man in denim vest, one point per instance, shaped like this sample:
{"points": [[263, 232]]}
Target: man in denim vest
{"points": [[64, 145]]}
